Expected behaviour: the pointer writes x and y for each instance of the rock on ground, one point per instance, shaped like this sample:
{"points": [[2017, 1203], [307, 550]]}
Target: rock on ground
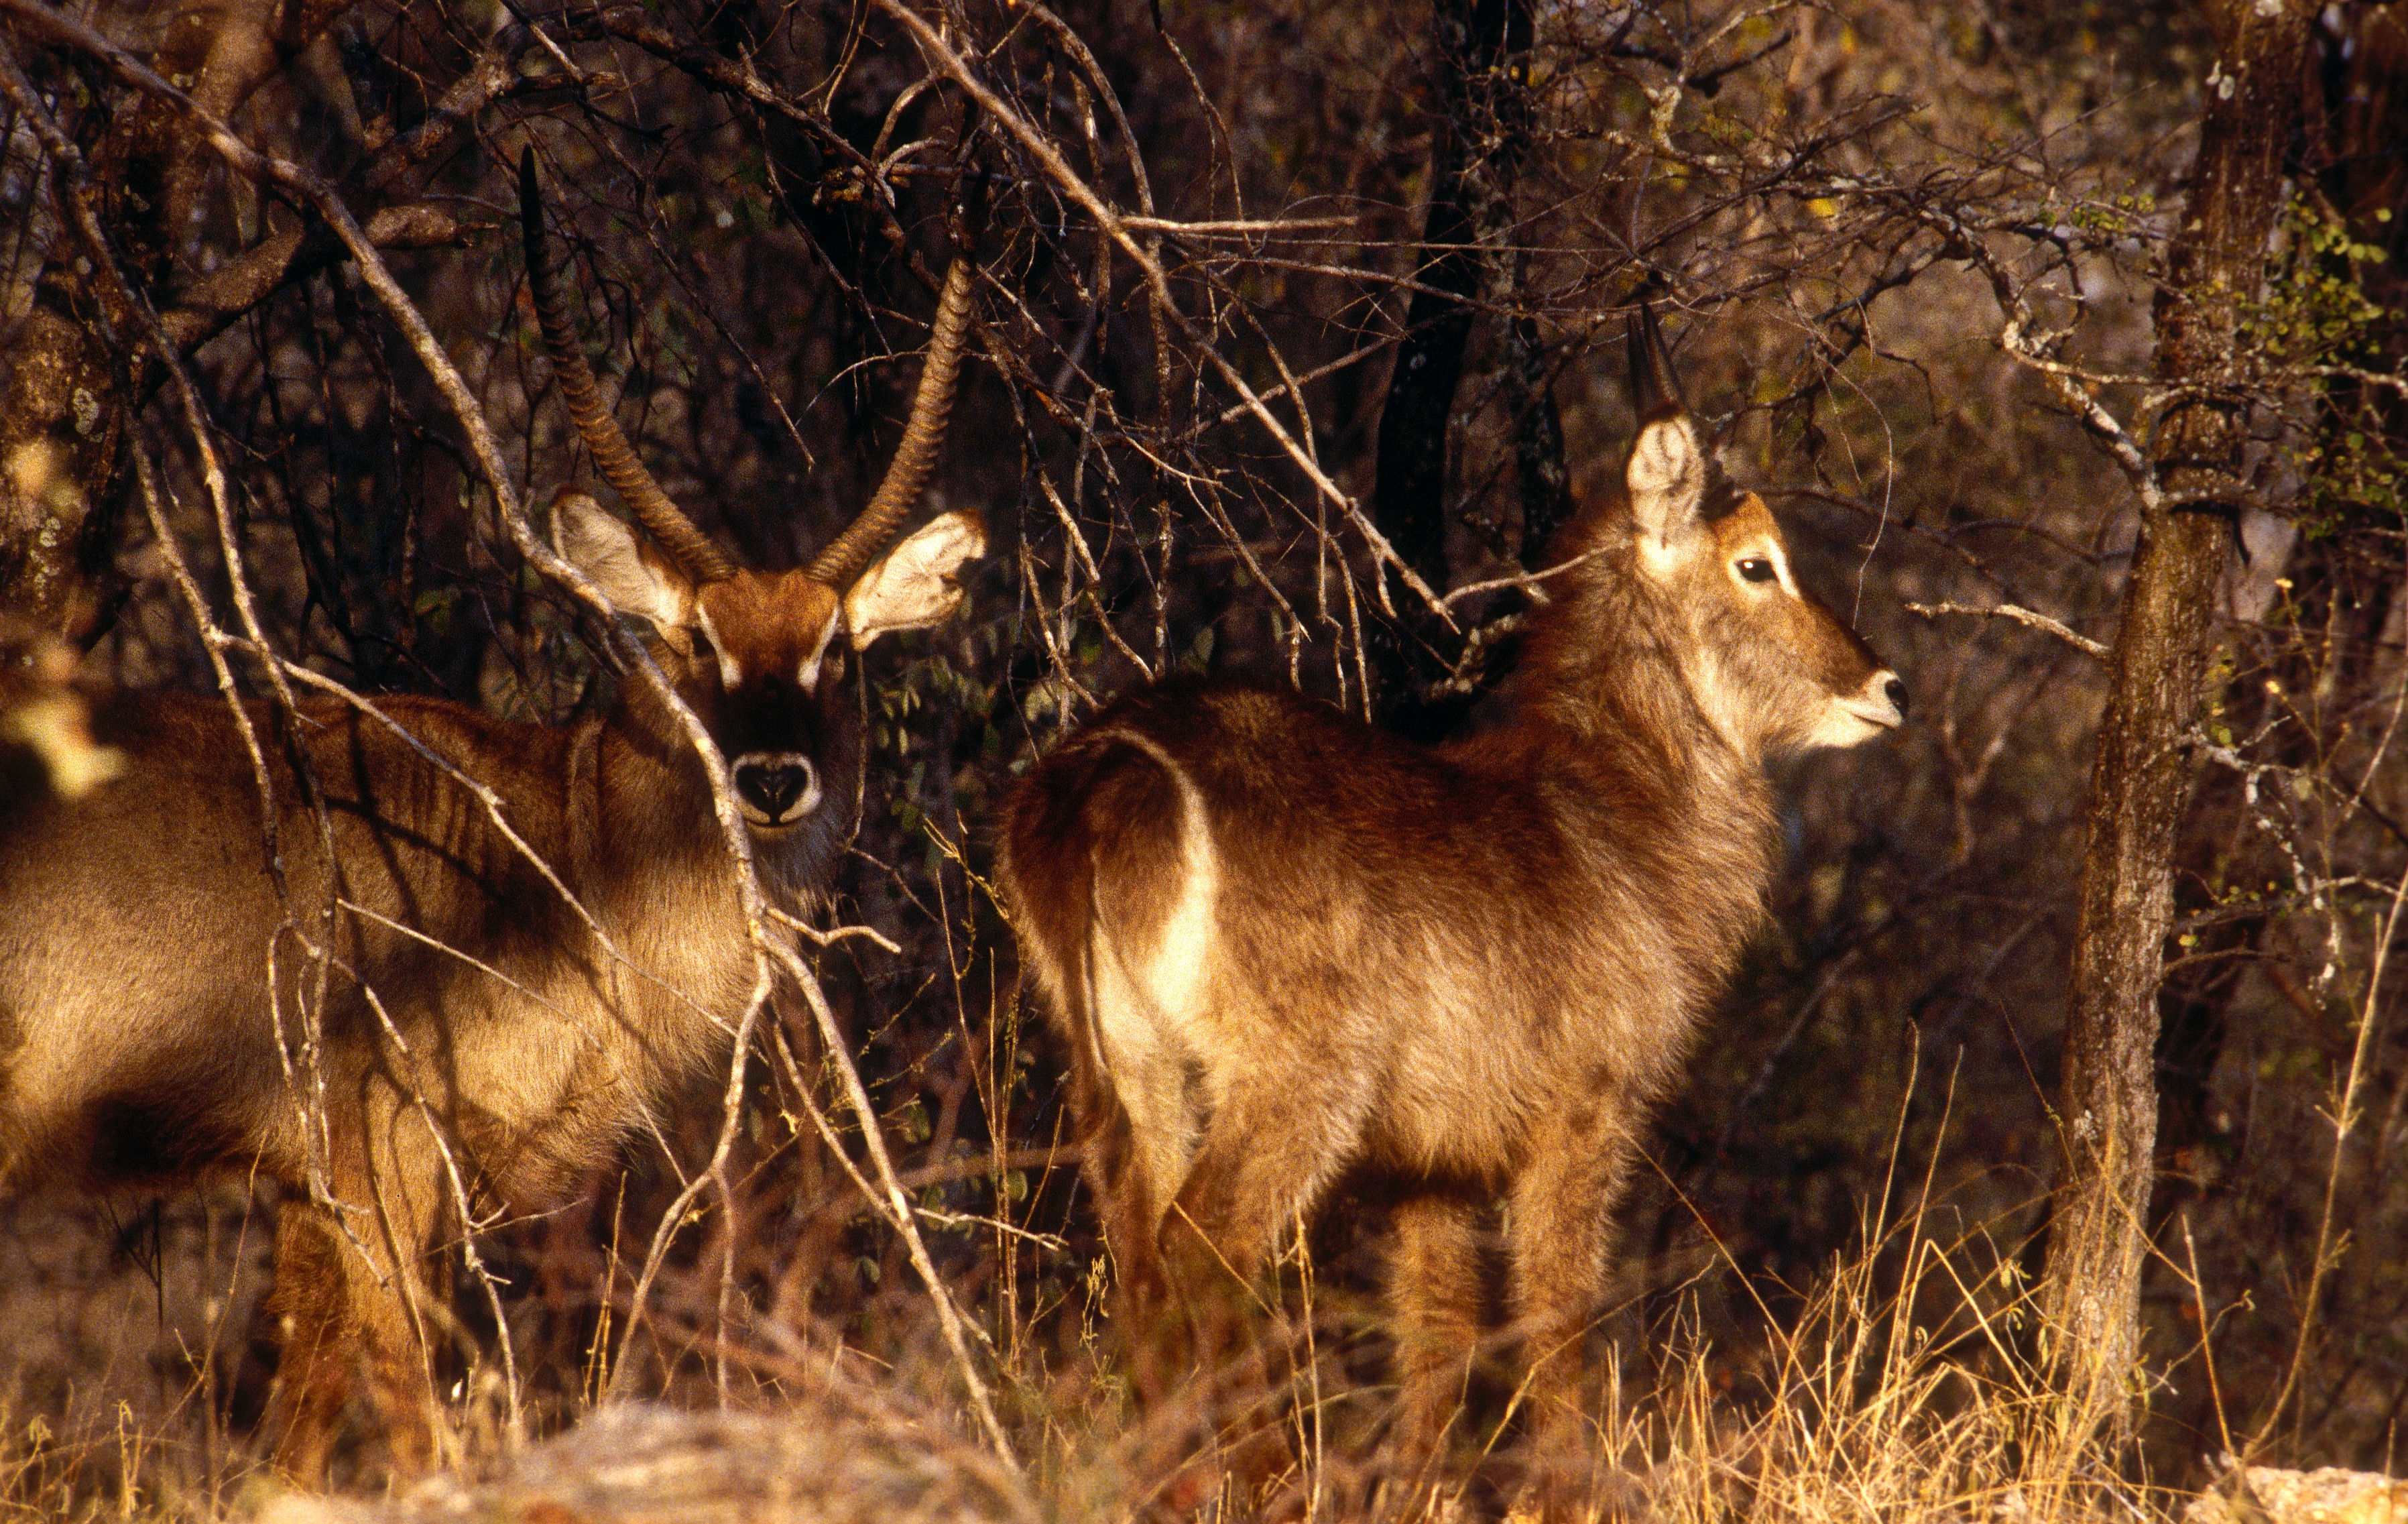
{"points": [[642, 1464], [2264, 1495]]}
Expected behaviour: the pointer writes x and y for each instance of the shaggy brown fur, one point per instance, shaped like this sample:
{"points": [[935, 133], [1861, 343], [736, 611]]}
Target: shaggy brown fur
{"points": [[398, 1007], [1283, 946], [463, 998]]}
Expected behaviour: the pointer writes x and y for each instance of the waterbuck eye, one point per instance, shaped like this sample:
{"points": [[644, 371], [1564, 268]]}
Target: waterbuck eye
{"points": [[1756, 569]]}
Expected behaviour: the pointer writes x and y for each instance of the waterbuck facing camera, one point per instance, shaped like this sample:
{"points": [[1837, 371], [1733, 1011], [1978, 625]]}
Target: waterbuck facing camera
{"points": [[432, 1010], [1283, 947]]}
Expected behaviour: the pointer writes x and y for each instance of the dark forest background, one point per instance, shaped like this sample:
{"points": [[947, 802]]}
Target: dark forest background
{"points": [[1913, 262]]}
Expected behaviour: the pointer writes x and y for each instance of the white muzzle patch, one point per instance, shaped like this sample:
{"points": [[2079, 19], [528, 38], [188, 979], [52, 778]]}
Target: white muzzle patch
{"points": [[775, 788], [1867, 712]]}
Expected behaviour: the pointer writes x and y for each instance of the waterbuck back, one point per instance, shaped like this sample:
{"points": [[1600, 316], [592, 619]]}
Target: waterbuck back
{"points": [[1282, 945], [407, 1005]]}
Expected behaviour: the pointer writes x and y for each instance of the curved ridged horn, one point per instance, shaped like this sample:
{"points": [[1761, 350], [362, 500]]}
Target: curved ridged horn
{"points": [[676, 534], [1654, 384], [848, 552]]}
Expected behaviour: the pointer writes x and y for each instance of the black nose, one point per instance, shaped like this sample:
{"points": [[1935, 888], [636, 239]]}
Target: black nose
{"points": [[773, 787], [1896, 688]]}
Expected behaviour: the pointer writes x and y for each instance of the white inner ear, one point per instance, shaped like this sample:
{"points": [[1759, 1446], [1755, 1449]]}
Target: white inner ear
{"points": [[1667, 479], [607, 550], [914, 585]]}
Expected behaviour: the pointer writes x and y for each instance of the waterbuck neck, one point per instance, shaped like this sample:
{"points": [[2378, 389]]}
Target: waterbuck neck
{"points": [[1604, 710], [1615, 662]]}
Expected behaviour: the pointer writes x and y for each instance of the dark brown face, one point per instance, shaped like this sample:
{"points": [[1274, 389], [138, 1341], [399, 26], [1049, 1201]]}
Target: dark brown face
{"points": [[761, 659], [780, 719]]}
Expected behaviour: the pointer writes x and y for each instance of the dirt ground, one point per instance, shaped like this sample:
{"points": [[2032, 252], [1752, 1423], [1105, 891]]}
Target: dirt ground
{"points": [[135, 1317]]}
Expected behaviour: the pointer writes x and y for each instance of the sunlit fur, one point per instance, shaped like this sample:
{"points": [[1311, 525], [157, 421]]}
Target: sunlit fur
{"points": [[1282, 946], [139, 1049]]}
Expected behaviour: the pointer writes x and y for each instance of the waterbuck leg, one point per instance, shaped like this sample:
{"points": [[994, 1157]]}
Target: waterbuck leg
{"points": [[350, 1307], [1267, 1152], [1151, 1324], [1436, 1293], [1136, 1138], [309, 1309], [1559, 1235], [345, 1328]]}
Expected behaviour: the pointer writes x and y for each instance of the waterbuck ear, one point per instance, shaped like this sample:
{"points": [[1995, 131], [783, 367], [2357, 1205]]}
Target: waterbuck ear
{"points": [[915, 585], [637, 579], [1666, 477]]}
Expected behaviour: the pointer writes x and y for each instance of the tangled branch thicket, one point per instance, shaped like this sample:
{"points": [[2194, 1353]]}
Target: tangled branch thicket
{"points": [[1909, 261]]}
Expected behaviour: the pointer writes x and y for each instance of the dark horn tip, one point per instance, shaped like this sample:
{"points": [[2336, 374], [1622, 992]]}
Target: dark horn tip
{"points": [[1654, 385], [530, 194]]}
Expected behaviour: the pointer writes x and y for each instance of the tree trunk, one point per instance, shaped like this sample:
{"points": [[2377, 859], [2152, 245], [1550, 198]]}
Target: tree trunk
{"points": [[63, 397], [1539, 468], [1483, 61], [2141, 779]]}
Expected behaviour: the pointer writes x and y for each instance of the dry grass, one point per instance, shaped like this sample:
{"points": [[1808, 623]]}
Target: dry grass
{"points": [[1881, 1400], [1906, 1407], [1853, 1414], [1903, 1387]]}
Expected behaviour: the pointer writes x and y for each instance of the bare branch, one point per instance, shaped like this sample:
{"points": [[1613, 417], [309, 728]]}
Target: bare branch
{"points": [[2088, 647]]}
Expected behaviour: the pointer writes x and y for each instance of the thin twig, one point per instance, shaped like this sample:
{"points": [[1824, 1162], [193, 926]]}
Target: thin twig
{"points": [[2083, 644], [1042, 149]]}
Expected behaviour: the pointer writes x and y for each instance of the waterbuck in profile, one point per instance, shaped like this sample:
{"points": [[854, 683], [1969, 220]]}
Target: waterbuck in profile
{"points": [[406, 1007], [1283, 947]]}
